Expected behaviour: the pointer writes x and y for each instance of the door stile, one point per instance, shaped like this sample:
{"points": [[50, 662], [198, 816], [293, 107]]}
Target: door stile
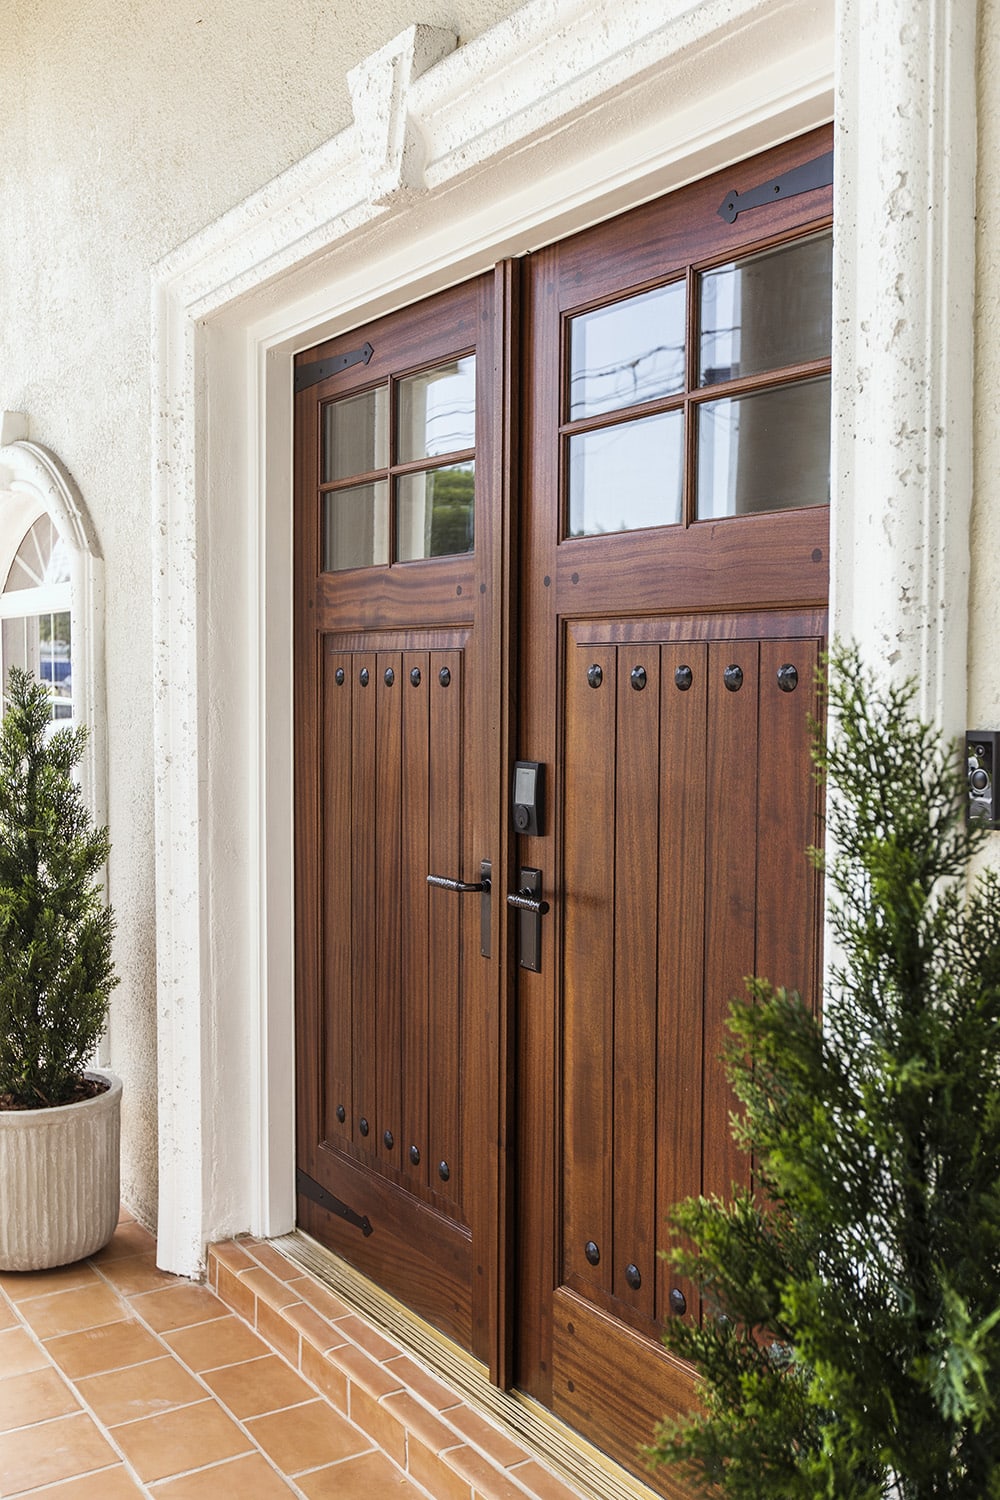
{"points": [[502, 596]]}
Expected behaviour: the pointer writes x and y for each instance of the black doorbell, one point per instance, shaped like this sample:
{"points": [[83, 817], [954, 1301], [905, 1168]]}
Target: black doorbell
{"points": [[981, 752]]}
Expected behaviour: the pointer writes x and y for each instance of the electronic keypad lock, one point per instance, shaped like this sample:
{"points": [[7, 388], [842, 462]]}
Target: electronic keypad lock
{"points": [[528, 800], [982, 751]]}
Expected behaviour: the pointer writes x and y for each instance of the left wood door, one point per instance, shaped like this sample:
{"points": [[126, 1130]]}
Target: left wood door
{"points": [[398, 730]]}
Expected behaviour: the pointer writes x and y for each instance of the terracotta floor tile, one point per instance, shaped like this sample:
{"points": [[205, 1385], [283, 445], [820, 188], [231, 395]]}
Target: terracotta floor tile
{"points": [[21, 1284], [128, 1239], [359, 1479], [319, 1331], [141, 1391], [176, 1441], [324, 1301], [35, 1397], [272, 1260], [54, 1450], [249, 1478], [69, 1312], [8, 1317], [543, 1484], [279, 1332], [232, 1254], [19, 1352], [360, 1370], [130, 1274], [259, 1386], [110, 1347], [422, 1425], [365, 1336], [417, 1379], [487, 1436], [223, 1341], [178, 1306], [307, 1436], [272, 1289], [485, 1478], [104, 1484], [234, 1294]]}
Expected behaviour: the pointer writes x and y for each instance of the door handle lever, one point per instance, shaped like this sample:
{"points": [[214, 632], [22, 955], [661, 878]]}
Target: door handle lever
{"points": [[523, 900], [527, 902], [445, 883], [483, 885]]}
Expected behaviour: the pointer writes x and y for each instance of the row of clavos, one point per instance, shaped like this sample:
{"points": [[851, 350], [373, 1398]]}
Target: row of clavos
{"points": [[389, 677], [388, 1141], [633, 1278], [787, 677]]}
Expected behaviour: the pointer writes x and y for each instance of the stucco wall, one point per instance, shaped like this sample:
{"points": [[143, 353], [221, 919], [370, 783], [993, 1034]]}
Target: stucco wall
{"points": [[124, 128], [984, 611]]}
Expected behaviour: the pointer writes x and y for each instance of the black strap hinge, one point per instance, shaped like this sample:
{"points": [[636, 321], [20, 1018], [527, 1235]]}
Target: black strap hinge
{"points": [[812, 174], [310, 1188], [322, 369]]}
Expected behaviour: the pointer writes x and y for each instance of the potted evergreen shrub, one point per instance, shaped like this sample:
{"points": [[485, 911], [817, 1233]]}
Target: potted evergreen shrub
{"points": [[59, 1118], [850, 1342]]}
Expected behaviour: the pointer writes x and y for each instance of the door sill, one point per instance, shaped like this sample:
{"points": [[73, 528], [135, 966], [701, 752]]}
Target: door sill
{"points": [[522, 1418]]}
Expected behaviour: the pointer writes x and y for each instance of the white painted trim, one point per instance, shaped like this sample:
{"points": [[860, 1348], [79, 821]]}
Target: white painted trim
{"points": [[42, 483], [567, 112]]}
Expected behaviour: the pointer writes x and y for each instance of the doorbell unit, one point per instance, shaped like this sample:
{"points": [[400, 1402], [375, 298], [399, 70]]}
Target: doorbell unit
{"points": [[982, 748]]}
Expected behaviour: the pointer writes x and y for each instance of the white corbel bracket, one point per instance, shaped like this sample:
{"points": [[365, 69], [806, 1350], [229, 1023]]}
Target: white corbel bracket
{"points": [[390, 142], [13, 427]]}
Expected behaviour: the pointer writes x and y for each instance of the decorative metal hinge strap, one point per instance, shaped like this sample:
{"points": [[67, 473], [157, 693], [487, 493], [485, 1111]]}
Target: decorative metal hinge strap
{"points": [[812, 174], [310, 1188], [322, 369]]}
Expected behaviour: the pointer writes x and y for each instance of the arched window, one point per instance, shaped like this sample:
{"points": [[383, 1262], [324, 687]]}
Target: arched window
{"points": [[52, 591], [36, 614]]}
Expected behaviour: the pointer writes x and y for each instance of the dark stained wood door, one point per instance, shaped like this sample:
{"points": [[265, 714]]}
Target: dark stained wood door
{"points": [[619, 570], [674, 588], [399, 723]]}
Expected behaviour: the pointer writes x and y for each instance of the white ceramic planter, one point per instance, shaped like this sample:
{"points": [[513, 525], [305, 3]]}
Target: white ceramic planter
{"points": [[59, 1180]]}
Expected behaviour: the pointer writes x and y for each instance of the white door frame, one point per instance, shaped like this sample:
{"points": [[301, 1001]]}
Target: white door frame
{"points": [[457, 158]]}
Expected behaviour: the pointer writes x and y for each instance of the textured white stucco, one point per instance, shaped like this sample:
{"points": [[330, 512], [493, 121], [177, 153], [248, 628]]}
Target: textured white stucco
{"points": [[984, 611], [125, 127]]}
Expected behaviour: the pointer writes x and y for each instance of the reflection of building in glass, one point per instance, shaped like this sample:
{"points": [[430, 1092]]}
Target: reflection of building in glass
{"points": [[35, 614]]}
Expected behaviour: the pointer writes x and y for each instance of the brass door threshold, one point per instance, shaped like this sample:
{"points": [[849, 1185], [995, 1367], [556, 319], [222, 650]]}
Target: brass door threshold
{"points": [[522, 1418]]}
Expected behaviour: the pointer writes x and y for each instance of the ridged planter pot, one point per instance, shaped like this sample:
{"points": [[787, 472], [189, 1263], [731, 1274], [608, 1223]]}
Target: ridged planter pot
{"points": [[59, 1180]]}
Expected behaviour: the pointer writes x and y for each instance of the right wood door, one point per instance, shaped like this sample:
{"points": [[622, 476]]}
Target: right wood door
{"points": [[673, 610]]}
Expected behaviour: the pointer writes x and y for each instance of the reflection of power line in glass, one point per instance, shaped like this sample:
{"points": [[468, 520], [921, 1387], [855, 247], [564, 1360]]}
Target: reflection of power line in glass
{"points": [[641, 377]]}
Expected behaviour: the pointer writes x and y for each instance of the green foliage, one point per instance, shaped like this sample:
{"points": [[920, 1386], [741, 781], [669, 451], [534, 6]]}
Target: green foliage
{"points": [[850, 1346], [56, 972]]}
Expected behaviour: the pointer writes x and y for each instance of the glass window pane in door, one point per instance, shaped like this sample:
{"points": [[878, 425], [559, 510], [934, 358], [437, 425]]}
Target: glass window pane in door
{"points": [[435, 512], [626, 477], [356, 526], [767, 311], [437, 411], [628, 352], [356, 435], [766, 451]]}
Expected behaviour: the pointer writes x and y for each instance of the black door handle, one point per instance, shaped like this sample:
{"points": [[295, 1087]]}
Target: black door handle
{"points": [[523, 900], [465, 887]]}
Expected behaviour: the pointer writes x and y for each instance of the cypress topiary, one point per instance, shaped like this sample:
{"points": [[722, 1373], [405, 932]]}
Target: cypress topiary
{"points": [[850, 1340], [56, 970]]}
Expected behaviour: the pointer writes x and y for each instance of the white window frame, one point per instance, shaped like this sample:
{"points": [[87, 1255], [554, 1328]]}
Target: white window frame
{"points": [[34, 482]]}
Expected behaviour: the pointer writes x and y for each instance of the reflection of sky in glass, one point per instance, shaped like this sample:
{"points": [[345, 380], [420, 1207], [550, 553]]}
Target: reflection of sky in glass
{"points": [[629, 352], [765, 311], [437, 411], [766, 451], [625, 477]]}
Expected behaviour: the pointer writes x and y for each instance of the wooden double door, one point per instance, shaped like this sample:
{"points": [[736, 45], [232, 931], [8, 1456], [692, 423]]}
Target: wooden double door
{"points": [[571, 514]]}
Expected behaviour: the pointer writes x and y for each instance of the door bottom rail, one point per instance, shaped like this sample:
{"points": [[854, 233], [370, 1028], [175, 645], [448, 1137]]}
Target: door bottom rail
{"points": [[427, 1406]]}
